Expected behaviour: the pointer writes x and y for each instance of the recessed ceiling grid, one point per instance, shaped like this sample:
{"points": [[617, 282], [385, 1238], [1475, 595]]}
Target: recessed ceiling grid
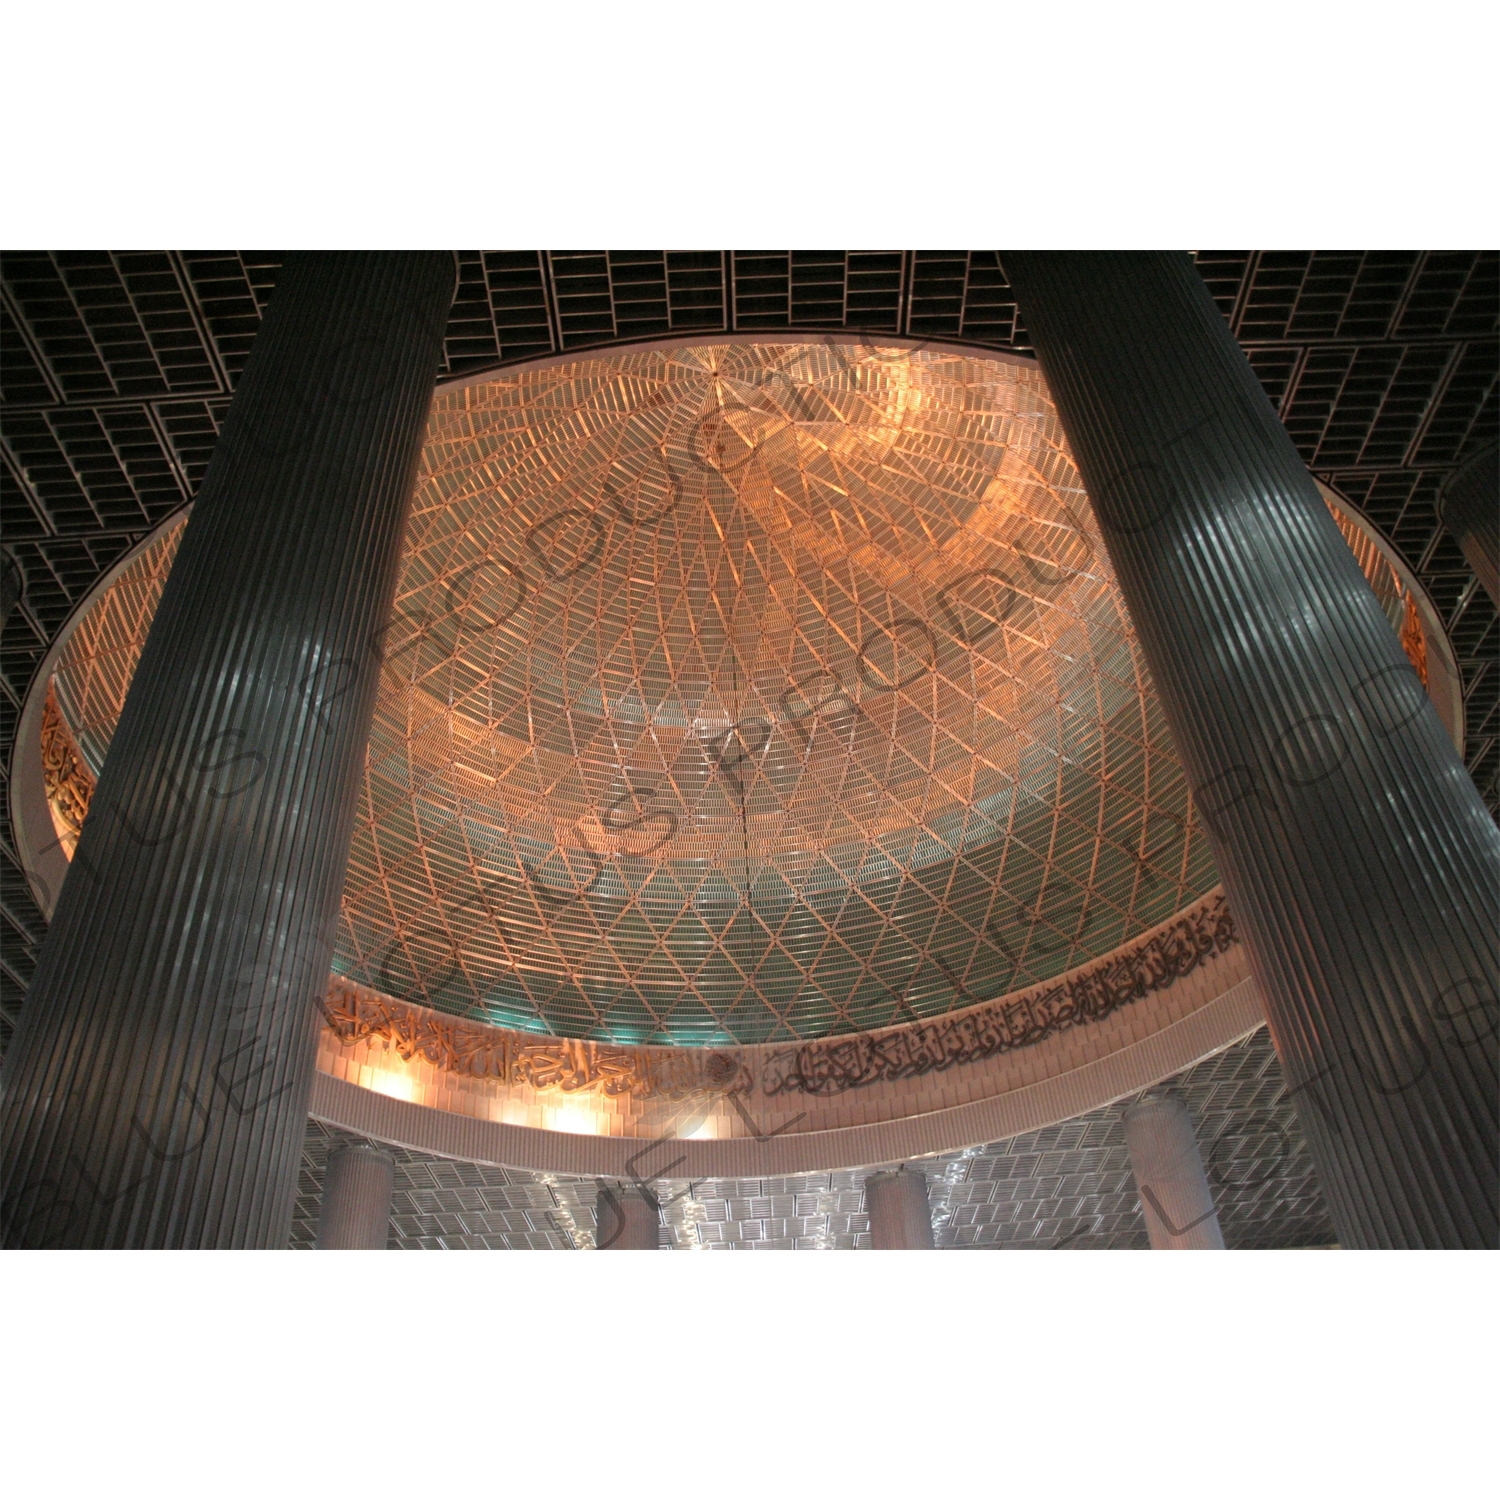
{"points": [[1383, 366], [117, 368]]}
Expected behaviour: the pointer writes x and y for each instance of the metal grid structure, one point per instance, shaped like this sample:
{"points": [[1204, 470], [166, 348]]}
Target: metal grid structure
{"points": [[118, 367], [1066, 1187], [709, 718], [741, 693], [1383, 366]]}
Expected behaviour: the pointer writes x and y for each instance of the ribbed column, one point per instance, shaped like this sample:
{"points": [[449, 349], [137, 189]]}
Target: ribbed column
{"points": [[1470, 508], [1175, 1197], [356, 1210], [1357, 856], [896, 1203], [625, 1219], [12, 584], [156, 1089]]}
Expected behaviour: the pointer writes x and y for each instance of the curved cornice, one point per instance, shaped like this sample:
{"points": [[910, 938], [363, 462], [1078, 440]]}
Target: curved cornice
{"points": [[434, 1083], [1226, 1019]]}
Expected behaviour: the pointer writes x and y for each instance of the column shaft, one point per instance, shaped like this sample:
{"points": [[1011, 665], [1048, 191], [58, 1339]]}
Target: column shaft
{"points": [[626, 1220], [900, 1218], [1175, 1197], [156, 1089], [1357, 856], [356, 1210]]}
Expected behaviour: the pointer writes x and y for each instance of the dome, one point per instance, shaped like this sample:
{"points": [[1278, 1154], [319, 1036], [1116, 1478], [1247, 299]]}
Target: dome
{"points": [[739, 692]]}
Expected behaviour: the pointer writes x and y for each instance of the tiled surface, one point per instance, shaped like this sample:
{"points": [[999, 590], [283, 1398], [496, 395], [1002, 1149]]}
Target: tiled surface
{"points": [[1068, 1186]]}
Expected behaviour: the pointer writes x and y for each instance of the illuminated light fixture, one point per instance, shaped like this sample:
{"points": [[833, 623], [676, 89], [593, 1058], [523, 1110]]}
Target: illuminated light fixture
{"points": [[572, 1120], [395, 1085]]}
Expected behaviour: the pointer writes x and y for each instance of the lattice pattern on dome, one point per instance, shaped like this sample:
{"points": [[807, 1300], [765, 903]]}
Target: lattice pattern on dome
{"points": [[746, 692], [737, 693]]}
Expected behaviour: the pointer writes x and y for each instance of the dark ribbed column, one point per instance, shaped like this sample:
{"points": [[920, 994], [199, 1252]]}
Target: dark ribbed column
{"points": [[156, 1089], [1357, 856], [12, 584], [1470, 508], [626, 1218], [356, 1209], [1175, 1197], [896, 1203]]}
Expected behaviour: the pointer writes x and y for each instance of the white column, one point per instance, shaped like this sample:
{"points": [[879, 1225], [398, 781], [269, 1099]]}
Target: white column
{"points": [[356, 1212], [896, 1203], [1175, 1198]]}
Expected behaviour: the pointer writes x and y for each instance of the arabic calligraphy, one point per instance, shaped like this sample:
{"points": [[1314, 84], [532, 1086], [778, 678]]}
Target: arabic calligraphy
{"points": [[998, 1026], [355, 1014]]}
